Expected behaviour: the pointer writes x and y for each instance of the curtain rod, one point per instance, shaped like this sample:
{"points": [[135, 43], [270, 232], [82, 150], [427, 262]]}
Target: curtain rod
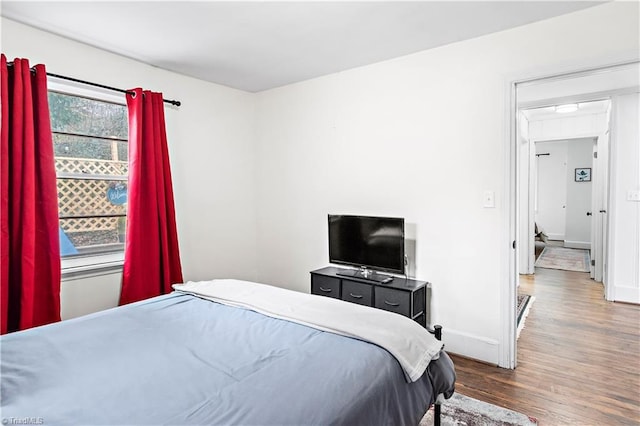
{"points": [[115, 89]]}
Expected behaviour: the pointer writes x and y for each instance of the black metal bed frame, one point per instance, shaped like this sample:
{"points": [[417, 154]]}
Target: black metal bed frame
{"points": [[437, 332]]}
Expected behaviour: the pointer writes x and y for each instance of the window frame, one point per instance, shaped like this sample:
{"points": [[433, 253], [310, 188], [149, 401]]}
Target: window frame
{"points": [[88, 263]]}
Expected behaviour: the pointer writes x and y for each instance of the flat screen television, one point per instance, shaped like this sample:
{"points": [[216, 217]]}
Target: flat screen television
{"points": [[367, 242]]}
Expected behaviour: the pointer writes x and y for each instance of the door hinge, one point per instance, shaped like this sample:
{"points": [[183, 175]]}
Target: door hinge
{"points": [[595, 154], [513, 244], [593, 262]]}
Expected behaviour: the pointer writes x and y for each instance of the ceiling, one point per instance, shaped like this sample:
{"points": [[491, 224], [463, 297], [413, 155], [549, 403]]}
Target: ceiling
{"points": [[256, 46], [550, 113]]}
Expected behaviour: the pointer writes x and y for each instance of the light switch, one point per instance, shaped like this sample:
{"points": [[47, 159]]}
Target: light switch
{"points": [[489, 199], [633, 195]]}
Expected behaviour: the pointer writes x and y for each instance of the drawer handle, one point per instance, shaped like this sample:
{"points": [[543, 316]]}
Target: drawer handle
{"points": [[391, 303], [326, 290], [355, 296]]}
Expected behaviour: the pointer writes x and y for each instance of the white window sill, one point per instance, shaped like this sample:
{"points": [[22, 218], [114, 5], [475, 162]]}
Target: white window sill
{"points": [[91, 265]]}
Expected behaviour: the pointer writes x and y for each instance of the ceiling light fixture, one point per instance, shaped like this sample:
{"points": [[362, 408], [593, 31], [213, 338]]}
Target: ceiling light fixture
{"points": [[566, 108]]}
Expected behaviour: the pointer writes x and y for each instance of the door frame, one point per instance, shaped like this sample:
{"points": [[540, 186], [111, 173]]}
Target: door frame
{"points": [[597, 180], [510, 273]]}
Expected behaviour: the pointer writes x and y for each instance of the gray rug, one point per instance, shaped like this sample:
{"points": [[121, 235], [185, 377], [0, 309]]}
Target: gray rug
{"points": [[524, 304], [523, 301], [564, 258], [460, 410]]}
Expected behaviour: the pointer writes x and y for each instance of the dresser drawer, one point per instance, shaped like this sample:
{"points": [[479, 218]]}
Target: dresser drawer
{"points": [[403, 295], [325, 286], [355, 292], [393, 300]]}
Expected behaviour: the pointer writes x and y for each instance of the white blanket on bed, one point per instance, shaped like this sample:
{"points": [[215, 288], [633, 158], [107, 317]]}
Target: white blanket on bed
{"points": [[404, 338]]}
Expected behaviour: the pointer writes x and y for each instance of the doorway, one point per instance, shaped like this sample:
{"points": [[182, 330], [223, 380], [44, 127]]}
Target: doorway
{"points": [[562, 184], [564, 188], [601, 84]]}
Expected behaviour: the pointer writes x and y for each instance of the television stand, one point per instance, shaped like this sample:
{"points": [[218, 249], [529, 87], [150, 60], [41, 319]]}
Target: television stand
{"points": [[365, 274], [403, 296]]}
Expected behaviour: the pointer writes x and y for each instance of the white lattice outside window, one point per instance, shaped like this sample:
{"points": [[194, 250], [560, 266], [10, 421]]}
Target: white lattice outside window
{"points": [[90, 146]]}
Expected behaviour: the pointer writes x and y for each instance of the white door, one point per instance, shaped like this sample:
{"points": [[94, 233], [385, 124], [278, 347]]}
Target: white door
{"points": [[600, 196], [579, 193], [596, 231], [551, 190]]}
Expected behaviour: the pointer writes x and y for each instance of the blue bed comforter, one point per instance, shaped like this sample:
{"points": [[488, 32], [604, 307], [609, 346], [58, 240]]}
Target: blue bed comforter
{"points": [[178, 359]]}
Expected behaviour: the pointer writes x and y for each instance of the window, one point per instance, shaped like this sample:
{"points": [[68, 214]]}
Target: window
{"points": [[90, 149]]}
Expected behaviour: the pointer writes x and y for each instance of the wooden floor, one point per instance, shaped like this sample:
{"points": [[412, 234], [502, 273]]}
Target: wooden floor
{"points": [[578, 357]]}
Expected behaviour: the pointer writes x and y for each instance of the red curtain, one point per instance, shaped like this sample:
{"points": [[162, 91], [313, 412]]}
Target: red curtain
{"points": [[29, 243], [151, 257]]}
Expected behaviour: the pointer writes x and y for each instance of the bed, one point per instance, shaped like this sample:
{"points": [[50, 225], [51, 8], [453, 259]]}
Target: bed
{"points": [[195, 358]]}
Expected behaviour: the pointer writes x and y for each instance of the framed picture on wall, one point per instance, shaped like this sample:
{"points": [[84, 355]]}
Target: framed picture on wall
{"points": [[583, 175]]}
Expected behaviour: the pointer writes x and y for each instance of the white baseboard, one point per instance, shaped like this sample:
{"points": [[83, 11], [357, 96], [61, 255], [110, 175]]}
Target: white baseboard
{"points": [[471, 346], [555, 237], [626, 294], [578, 244]]}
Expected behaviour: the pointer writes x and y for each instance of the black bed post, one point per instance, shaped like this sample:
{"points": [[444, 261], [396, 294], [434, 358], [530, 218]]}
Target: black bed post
{"points": [[437, 332]]}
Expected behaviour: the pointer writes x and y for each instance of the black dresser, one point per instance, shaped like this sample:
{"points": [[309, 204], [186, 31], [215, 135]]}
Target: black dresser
{"points": [[402, 296]]}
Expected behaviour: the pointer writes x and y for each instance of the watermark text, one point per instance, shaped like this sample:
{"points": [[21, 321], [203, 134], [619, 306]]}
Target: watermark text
{"points": [[23, 421]]}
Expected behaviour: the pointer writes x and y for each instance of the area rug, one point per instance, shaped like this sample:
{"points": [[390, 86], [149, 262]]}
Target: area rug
{"points": [[567, 259], [460, 410], [524, 304]]}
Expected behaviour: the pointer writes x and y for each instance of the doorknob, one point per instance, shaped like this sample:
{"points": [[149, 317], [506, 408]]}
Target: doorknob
{"points": [[588, 213]]}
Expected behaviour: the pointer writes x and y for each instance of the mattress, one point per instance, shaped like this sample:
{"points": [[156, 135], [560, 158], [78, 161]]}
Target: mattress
{"points": [[180, 359]]}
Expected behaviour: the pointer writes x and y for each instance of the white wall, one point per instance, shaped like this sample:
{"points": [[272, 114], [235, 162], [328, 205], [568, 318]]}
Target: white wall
{"points": [[88, 293], [624, 251], [422, 136], [578, 224], [551, 190], [212, 158]]}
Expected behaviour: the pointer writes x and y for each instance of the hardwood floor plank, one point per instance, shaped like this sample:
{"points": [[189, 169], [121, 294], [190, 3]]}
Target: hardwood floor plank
{"points": [[578, 357]]}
